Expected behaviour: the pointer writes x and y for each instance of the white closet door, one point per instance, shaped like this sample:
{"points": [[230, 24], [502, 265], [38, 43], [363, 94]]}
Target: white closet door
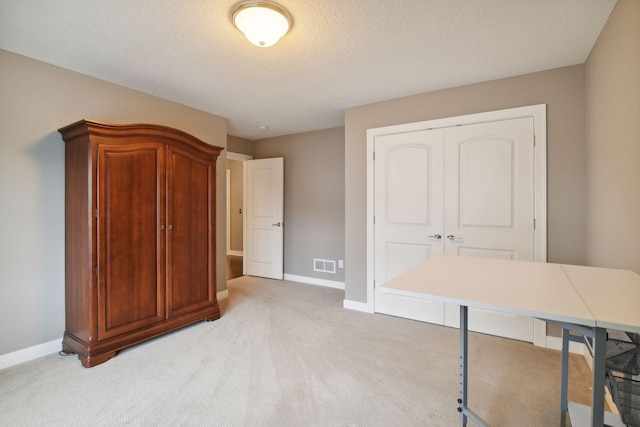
{"points": [[474, 186], [409, 219], [489, 207]]}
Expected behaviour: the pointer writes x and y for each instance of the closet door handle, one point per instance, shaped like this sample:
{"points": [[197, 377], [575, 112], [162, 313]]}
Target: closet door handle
{"points": [[454, 237], [277, 224], [435, 236], [161, 226]]}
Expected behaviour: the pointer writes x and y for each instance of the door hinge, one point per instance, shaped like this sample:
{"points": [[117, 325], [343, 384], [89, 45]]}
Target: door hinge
{"points": [[96, 271], [534, 223], [96, 213], [374, 220], [534, 140], [374, 155]]}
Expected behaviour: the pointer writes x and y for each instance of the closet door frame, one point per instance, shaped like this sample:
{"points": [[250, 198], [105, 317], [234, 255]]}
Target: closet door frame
{"points": [[539, 114]]}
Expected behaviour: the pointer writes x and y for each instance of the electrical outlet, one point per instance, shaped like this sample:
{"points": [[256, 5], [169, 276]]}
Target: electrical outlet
{"points": [[340, 263]]}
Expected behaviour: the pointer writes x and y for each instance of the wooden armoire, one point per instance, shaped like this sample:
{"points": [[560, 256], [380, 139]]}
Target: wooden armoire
{"points": [[140, 255]]}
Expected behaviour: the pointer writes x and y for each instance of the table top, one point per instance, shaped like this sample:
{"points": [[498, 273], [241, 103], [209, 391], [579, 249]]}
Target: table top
{"points": [[612, 295], [587, 296]]}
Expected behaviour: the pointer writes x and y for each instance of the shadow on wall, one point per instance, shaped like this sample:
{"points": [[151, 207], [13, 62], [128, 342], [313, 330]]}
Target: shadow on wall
{"points": [[34, 242]]}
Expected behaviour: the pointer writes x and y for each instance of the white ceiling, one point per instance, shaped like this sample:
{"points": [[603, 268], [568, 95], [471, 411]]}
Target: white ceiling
{"points": [[339, 54]]}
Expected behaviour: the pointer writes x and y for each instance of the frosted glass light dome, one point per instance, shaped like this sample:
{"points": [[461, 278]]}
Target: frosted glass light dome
{"points": [[262, 22]]}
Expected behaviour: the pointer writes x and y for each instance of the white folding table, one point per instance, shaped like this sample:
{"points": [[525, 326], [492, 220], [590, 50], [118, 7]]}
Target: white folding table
{"points": [[587, 300]]}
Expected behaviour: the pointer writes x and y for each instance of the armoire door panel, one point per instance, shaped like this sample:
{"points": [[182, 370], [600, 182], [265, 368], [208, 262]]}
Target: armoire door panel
{"points": [[131, 287], [190, 180]]}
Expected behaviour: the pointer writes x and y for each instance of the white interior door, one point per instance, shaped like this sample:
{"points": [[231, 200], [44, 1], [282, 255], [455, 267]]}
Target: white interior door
{"points": [[489, 207], [264, 218], [409, 219], [473, 185]]}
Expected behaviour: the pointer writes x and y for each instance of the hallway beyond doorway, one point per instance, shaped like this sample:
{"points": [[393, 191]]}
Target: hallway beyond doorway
{"points": [[234, 266]]}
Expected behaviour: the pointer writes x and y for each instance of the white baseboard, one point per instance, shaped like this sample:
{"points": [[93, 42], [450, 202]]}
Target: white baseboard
{"points": [[30, 353], [314, 281], [236, 253], [357, 306]]}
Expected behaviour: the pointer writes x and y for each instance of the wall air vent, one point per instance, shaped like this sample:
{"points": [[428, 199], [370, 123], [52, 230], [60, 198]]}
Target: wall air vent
{"points": [[324, 265]]}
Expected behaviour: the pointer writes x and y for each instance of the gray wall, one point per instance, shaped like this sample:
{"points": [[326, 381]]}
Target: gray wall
{"points": [[313, 198], [240, 145], [563, 92], [36, 100], [612, 74]]}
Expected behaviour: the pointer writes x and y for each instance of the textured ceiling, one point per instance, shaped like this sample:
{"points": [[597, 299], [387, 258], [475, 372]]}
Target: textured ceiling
{"points": [[339, 54]]}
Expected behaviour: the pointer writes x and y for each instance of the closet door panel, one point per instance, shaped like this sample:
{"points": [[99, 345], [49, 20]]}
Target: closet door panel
{"points": [[130, 279], [190, 233], [409, 218], [489, 184], [490, 207]]}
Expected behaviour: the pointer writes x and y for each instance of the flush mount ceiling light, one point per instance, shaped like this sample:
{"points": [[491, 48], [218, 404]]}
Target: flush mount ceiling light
{"points": [[262, 22]]}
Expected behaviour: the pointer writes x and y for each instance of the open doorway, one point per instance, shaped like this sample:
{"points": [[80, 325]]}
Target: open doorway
{"points": [[235, 209]]}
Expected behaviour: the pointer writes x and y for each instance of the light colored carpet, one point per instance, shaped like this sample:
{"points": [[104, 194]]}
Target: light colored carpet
{"points": [[288, 354]]}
